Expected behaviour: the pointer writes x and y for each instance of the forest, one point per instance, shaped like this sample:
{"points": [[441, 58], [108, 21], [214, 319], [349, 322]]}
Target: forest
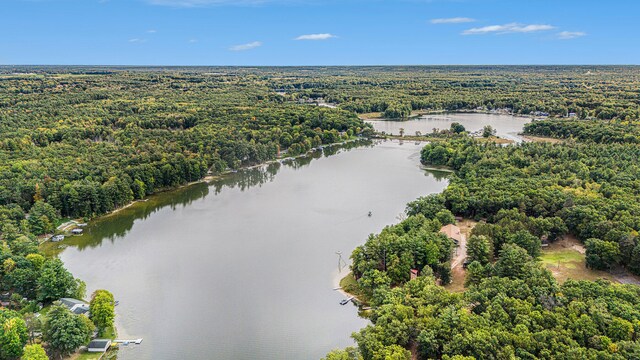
{"points": [[523, 195], [87, 144], [78, 142]]}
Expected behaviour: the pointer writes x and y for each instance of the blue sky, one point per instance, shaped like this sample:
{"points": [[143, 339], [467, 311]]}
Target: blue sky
{"points": [[319, 32]]}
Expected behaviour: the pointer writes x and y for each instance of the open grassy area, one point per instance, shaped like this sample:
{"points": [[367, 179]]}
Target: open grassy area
{"points": [[88, 356], [350, 286], [568, 257], [565, 259], [372, 115], [109, 333]]}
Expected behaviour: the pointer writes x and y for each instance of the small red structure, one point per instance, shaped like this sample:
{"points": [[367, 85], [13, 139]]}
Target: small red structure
{"points": [[414, 273]]}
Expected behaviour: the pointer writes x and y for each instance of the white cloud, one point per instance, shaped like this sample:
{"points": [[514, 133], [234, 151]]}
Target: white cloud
{"points": [[566, 35], [315, 37], [248, 46], [192, 41], [152, 31], [137, 40], [508, 28], [455, 20]]}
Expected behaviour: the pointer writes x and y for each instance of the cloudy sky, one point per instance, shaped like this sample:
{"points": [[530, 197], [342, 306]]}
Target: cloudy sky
{"points": [[319, 32]]}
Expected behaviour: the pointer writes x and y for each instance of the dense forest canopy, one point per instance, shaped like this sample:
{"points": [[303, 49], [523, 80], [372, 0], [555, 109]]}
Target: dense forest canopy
{"points": [[87, 143], [82, 141], [87, 140], [513, 307]]}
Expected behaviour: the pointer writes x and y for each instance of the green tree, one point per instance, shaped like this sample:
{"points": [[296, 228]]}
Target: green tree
{"points": [[13, 337], [445, 217], [475, 273], [457, 128], [102, 310], [349, 353], [55, 281], [66, 332], [529, 242], [601, 255], [479, 249], [488, 131], [444, 272], [42, 218], [36, 260], [512, 262], [394, 352], [34, 352]]}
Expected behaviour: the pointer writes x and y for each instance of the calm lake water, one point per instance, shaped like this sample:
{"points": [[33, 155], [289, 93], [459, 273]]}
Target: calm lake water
{"points": [[243, 268], [507, 126]]}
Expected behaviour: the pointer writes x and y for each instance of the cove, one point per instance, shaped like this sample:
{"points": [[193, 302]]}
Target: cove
{"points": [[506, 126], [244, 267]]}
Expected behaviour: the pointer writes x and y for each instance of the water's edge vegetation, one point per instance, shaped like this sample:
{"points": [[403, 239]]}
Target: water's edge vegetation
{"points": [[512, 307], [79, 142]]}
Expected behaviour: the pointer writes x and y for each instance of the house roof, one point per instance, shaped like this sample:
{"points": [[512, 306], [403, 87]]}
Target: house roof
{"points": [[70, 302], [79, 310], [452, 232], [99, 344]]}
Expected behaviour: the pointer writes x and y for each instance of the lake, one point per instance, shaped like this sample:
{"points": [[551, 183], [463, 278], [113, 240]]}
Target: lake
{"points": [[507, 126], [244, 267]]}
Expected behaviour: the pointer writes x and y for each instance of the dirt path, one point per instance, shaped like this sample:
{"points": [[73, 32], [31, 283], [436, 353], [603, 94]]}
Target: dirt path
{"points": [[458, 273]]}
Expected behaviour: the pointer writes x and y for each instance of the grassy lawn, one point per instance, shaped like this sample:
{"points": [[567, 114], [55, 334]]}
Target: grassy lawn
{"points": [[350, 286], [109, 333], [458, 274], [566, 262], [88, 356], [373, 115]]}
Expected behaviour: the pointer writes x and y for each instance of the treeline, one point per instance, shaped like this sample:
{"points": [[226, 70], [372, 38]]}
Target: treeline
{"points": [[512, 307], [584, 92], [388, 258], [593, 188], [519, 312], [596, 131], [87, 144]]}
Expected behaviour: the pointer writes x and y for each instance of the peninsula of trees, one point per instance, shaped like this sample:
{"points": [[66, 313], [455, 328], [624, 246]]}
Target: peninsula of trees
{"points": [[78, 142]]}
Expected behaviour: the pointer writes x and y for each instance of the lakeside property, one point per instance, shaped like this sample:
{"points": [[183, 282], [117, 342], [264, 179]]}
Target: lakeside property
{"points": [[321, 197]]}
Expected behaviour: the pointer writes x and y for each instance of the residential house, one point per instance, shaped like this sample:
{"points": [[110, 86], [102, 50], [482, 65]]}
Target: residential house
{"points": [[77, 307], [453, 233]]}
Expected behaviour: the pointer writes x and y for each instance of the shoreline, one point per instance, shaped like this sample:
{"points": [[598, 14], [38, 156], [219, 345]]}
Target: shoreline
{"points": [[419, 113], [209, 178]]}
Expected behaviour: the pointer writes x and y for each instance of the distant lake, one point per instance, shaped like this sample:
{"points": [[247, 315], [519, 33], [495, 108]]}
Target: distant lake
{"points": [[507, 126], [244, 267]]}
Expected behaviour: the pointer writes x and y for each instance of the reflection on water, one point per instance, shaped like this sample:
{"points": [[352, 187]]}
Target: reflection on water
{"points": [[120, 222], [244, 267], [507, 126]]}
